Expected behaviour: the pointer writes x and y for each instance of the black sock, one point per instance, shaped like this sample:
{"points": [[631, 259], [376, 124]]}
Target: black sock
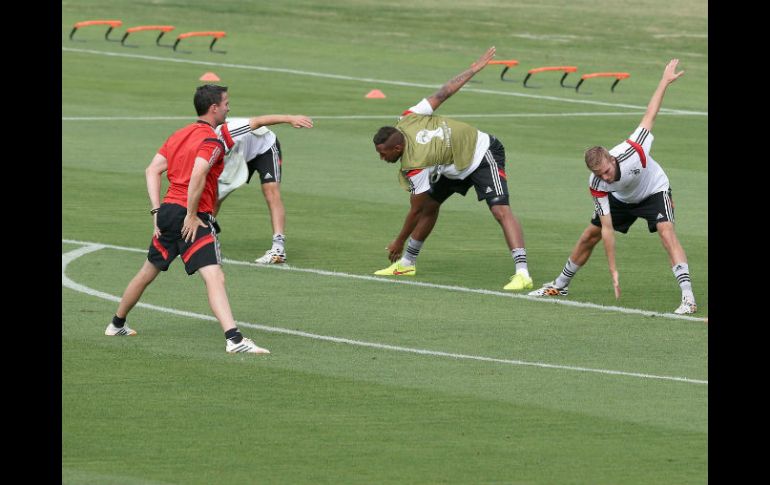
{"points": [[118, 322], [234, 335]]}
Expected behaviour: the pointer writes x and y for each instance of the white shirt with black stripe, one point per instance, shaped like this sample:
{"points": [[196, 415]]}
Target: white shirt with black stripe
{"points": [[639, 178], [242, 144], [237, 128]]}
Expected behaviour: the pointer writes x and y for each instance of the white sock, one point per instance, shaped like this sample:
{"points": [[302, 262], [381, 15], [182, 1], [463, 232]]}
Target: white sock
{"points": [[278, 242], [682, 275], [520, 259], [412, 251], [567, 273]]}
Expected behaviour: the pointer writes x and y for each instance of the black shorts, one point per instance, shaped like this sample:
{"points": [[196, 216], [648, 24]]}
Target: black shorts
{"points": [[658, 207], [489, 179], [202, 252], [268, 165]]}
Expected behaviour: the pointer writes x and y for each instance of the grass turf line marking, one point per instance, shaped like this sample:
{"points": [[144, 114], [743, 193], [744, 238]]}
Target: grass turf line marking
{"points": [[367, 80], [88, 248], [379, 279]]}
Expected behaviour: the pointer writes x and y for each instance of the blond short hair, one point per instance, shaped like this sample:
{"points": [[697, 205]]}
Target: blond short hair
{"points": [[595, 156]]}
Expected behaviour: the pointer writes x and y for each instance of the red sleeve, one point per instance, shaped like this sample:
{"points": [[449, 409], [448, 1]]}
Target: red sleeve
{"points": [[407, 112], [212, 150], [414, 172], [228, 139], [163, 150], [597, 193]]}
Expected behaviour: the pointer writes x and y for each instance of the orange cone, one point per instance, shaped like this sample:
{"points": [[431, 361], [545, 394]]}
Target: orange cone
{"points": [[209, 76], [375, 94]]}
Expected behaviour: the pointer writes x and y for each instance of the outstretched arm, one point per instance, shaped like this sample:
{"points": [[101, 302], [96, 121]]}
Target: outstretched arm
{"points": [[454, 84], [669, 75], [297, 121]]}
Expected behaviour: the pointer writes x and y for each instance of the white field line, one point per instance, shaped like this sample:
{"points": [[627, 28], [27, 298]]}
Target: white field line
{"points": [[462, 289], [366, 79], [368, 117], [92, 247]]}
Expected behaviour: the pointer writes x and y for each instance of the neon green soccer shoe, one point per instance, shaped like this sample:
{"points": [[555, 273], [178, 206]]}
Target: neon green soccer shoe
{"points": [[396, 269], [519, 282]]}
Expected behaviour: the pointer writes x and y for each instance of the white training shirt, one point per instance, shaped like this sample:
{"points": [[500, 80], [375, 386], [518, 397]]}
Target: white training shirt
{"points": [[245, 144], [640, 175], [419, 179]]}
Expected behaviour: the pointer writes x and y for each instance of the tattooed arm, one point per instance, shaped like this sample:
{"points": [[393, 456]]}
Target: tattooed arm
{"points": [[454, 84]]}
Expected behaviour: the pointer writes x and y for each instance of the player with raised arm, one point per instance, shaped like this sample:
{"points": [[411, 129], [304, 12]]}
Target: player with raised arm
{"points": [[627, 183], [438, 157]]}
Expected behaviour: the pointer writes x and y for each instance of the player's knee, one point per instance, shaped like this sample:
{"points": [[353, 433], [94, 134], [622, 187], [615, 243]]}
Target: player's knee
{"points": [[271, 191], [591, 236], [665, 228], [667, 234], [212, 274]]}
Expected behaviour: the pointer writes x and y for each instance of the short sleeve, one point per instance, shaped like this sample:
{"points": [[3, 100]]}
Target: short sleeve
{"points": [[419, 180], [212, 150], [231, 131], [601, 200], [421, 108], [643, 137]]}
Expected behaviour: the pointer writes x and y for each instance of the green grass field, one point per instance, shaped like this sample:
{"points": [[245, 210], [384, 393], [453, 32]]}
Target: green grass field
{"points": [[448, 380]]}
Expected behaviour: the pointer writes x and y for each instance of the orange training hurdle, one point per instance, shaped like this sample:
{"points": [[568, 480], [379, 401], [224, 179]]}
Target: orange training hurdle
{"points": [[508, 64], [617, 75], [141, 28], [566, 69], [86, 23], [216, 35]]}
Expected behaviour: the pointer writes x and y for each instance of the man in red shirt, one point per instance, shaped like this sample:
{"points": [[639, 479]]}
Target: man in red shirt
{"points": [[183, 225]]}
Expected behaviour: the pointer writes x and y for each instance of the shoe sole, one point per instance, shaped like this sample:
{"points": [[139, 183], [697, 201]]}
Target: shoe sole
{"points": [[272, 261], [518, 289], [548, 292], [121, 334], [690, 312]]}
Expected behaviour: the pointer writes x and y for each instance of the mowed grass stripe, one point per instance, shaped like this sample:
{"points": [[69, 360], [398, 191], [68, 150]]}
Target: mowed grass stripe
{"points": [[369, 80], [72, 255], [480, 291]]}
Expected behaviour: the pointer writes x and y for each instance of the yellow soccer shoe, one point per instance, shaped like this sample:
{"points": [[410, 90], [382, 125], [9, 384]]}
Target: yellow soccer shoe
{"points": [[519, 282], [396, 269]]}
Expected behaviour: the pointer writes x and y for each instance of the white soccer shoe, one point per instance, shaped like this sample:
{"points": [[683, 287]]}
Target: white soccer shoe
{"points": [[245, 345], [272, 256], [688, 306], [549, 289], [123, 331]]}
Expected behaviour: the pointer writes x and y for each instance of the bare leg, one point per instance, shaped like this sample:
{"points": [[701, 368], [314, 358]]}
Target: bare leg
{"points": [[428, 218], [214, 278], [146, 275], [514, 235], [585, 245], [579, 256], [272, 194], [676, 254]]}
